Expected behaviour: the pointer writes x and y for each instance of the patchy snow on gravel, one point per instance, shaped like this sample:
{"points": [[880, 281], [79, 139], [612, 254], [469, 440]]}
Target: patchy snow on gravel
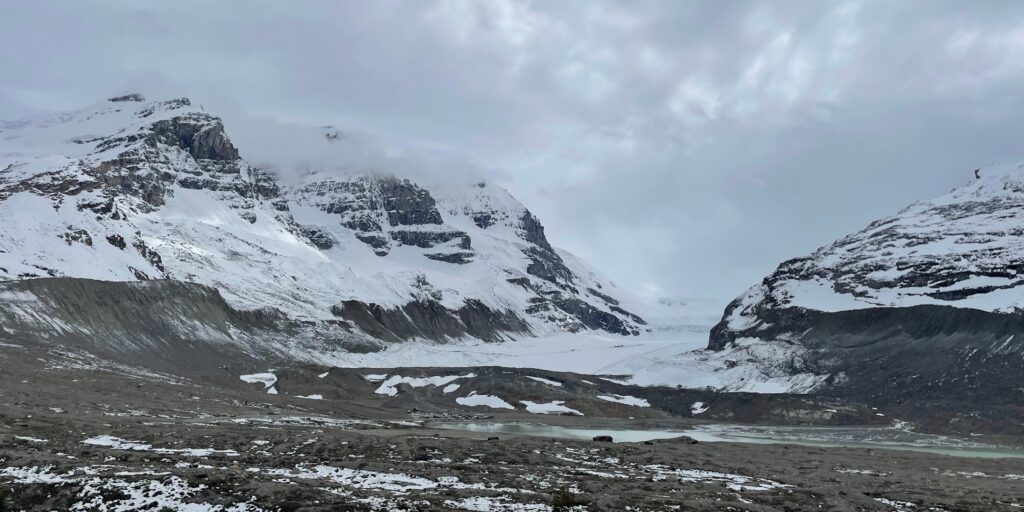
{"points": [[304, 420], [587, 459], [119, 495], [494, 504], [732, 481], [626, 400], [169, 493], [475, 400], [553, 407], [117, 443], [896, 505], [31, 439], [34, 475], [358, 478]]}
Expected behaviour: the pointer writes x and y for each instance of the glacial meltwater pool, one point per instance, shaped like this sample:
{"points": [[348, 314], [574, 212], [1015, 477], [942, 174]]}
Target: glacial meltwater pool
{"points": [[882, 438]]}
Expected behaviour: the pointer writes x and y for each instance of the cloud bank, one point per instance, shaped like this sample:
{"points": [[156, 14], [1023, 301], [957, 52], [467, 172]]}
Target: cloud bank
{"points": [[685, 148]]}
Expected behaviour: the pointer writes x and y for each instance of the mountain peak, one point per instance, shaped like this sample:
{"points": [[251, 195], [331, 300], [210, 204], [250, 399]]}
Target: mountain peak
{"points": [[147, 189], [128, 96]]}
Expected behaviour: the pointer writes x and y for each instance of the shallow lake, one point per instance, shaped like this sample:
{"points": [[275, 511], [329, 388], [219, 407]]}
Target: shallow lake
{"points": [[883, 438]]}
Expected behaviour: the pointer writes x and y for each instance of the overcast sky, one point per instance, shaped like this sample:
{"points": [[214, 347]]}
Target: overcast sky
{"points": [[683, 148]]}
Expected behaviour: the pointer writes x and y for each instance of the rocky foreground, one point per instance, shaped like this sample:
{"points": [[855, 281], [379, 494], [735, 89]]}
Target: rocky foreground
{"points": [[77, 437]]}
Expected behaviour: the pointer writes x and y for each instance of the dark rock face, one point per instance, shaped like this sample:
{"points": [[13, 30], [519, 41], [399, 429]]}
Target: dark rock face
{"points": [[533, 231], [151, 256], [73, 235], [547, 266], [564, 308], [163, 325], [483, 220], [427, 319], [545, 263], [458, 258], [202, 136], [117, 241], [318, 238], [147, 324], [918, 354], [592, 317], [606, 298], [127, 97], [376, 241], [407, 204], [429, 239], [384, 211]]}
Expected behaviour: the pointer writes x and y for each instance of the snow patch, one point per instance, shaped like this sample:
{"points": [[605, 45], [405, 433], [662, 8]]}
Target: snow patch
{"points": [[545, 381], [389, 387], [475, 400], [267, 379], [626, 399], [553, 407]]}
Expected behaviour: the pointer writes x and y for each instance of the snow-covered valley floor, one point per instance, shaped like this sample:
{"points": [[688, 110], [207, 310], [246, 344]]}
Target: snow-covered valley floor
{"points": [[668, 358]]}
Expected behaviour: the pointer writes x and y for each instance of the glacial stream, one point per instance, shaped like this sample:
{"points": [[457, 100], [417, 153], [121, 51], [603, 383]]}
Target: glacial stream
{"points": [[882, 438]]}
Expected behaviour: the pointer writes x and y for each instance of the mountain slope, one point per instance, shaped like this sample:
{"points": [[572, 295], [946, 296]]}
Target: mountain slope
{"points": [[923, 305], [130, 189]]}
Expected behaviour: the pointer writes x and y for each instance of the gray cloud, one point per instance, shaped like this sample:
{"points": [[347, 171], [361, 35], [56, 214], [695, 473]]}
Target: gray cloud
{"points": [[685, 148]]}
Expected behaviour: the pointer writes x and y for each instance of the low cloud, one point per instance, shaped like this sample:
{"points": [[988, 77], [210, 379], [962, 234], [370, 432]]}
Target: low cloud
{"points": [[685, 148]]}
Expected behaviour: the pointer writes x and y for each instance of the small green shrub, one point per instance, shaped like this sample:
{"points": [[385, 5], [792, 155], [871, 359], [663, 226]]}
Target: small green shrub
{"points": [[564, 500]]}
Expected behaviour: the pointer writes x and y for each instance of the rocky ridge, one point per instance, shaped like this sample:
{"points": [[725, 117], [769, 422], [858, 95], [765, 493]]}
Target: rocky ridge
{"points": [[920, 307]]}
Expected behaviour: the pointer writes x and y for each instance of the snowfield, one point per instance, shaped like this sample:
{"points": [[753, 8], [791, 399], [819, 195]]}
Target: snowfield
{"points": [[662, 358]]}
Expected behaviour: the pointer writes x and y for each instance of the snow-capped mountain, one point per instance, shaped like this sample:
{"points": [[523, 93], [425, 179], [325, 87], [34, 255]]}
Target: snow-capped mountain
{"points": [[132, 190], [928, 299]]}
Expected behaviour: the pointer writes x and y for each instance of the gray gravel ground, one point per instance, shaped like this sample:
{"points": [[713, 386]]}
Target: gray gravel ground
{"points": [[74, 437]]}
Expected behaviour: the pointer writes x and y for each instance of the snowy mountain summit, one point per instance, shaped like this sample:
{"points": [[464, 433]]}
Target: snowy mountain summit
{"points": [[929, 299], [964, 249], [131, 190]]}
